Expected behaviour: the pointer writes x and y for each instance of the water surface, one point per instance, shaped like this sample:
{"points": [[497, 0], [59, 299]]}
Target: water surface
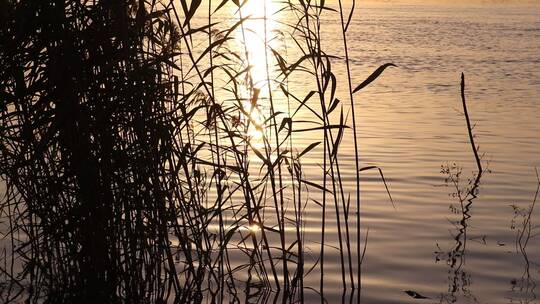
{"points": [[410, 124]]}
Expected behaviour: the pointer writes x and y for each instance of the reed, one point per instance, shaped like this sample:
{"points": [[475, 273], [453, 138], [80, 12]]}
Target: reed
{"points": [[145, 161]]}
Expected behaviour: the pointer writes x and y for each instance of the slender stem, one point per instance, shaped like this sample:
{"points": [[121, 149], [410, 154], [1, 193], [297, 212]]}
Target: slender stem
{"points": [[356, 146], [469, 128]]}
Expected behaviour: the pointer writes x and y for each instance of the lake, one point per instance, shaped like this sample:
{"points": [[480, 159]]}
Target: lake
{"points": [[410, 124], [434, 231]]}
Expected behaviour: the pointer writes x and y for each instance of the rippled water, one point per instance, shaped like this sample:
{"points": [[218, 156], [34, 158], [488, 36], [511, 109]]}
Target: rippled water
{"points": [[410, 125]]}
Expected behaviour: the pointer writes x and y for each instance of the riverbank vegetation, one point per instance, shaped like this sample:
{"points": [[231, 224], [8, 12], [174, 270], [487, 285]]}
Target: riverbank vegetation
{"points": [[148, 158]]}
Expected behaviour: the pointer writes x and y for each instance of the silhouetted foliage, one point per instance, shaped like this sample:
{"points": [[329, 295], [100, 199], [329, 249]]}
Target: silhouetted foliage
{"points": [[86, 136], [124, 142]]}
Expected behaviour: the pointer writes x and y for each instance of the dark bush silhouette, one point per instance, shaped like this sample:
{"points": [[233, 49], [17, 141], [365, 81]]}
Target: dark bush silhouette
{"points": [[124, 143], [85, 137]]}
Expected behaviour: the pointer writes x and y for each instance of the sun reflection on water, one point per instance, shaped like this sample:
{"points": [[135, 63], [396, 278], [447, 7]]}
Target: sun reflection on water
{"points": [[253, 39]]}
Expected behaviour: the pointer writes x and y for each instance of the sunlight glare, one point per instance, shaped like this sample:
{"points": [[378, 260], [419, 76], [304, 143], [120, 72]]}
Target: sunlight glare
{"points": [[252, 40]]}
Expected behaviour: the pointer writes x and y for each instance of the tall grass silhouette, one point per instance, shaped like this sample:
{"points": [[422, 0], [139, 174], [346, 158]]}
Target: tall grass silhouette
{"points": [[131, 167]]}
